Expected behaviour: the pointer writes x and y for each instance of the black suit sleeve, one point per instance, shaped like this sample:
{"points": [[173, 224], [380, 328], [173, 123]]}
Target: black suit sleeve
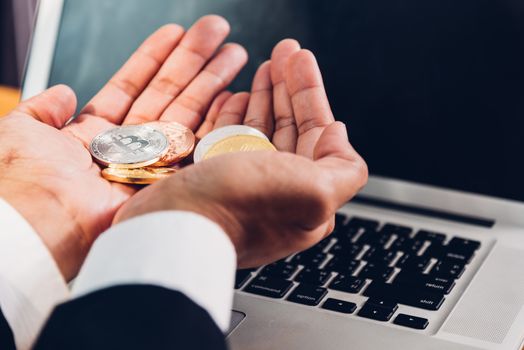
{"points": [[7, 340], [131, 317]]}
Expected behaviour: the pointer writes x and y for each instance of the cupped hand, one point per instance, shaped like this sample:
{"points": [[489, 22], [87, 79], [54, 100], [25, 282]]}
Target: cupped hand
{"points": [[271, 204], [47, 173]]}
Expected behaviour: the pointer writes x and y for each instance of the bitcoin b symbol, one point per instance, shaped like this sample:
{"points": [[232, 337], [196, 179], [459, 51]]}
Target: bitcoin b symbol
{"points": [[131, 143]]}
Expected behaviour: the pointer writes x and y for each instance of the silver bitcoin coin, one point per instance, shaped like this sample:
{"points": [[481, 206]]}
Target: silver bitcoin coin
{"points": [[130, 146]]}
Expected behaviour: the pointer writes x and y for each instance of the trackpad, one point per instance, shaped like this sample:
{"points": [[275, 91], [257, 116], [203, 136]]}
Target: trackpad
{"points": [[236, 318], [493, 301]]}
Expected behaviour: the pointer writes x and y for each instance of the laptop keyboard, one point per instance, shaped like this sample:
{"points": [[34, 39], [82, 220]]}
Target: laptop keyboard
{"points": [[389, 264]]}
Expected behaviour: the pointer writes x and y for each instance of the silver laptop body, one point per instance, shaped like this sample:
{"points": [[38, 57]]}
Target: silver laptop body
{"points": [[483, 311]]}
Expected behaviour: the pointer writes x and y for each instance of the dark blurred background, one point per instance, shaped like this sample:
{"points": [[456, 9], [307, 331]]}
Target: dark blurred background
{"points": [[432, 91]]}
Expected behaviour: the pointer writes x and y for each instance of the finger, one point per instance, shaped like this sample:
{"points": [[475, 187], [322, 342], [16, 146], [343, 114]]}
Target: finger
{"points": [[86, 127], [116, 97], [233, 111], [193, 102], [344, 170], [55, 106], [259, 113], [212, 114], [308, 97], [184, 63], [285, 136]]}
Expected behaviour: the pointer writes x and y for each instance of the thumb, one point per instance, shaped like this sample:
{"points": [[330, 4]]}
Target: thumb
{"points": [[333, 142], [342, 165], [55, 106]]}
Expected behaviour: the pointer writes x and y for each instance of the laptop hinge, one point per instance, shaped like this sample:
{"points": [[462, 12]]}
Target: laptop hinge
{"points": [[424, 211]]}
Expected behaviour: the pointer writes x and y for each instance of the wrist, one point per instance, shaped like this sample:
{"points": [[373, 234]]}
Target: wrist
{"points": [[183, 196], [51, 222], [216, 213]]}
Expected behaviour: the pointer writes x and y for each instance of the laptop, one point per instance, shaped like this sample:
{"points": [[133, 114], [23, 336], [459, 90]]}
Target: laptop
{"points": [[431, 252]]}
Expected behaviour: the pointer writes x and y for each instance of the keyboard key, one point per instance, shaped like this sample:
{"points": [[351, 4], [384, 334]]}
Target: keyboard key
{"points": [[407, 245], [444, 252], [373, 238], [241, 277], [281, 270], [307, 294], [269, 287], [375, 312], [411, 321], [320, 246], [448, 269], [440, 279], [436, 237], [346, 234], [460, 257], [435, 250], [348, 284], [432, 284], [411, 262], [429, 287], [313, 276], [346, 250], [460, 244], [362, 222], [398, 230], [405, 295], [311, 258], [380, 256], [343, 265], [376, 272], [311, 251], [385, 303], [337, 305]]}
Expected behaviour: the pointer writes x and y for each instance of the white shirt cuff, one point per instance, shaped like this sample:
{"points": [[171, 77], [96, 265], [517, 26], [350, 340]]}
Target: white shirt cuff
{"points": [[30, 282], [181, 251]]}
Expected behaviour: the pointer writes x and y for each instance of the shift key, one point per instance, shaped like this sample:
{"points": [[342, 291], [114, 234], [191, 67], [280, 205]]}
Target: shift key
{"points": [[405, 295], [269, 287]]}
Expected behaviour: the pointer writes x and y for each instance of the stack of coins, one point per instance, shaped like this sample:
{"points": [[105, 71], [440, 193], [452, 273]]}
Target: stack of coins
{"points": [[142, 154], [145, 153]]}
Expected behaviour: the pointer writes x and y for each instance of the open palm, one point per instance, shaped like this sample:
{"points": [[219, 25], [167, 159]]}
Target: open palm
{"points": [[174, 75], [271, 204]]}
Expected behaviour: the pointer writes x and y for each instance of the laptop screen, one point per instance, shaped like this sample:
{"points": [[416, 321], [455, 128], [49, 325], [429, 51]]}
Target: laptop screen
{"points": [[432, 91]]}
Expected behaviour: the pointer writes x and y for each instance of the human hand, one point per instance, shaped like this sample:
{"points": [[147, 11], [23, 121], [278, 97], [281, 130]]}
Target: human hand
{"points": [[47, 172], [285, 201]]}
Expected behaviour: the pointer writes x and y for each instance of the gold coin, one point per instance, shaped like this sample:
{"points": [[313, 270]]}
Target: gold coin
{"points": [[139, 176], [181, 141], [239, 143]]}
